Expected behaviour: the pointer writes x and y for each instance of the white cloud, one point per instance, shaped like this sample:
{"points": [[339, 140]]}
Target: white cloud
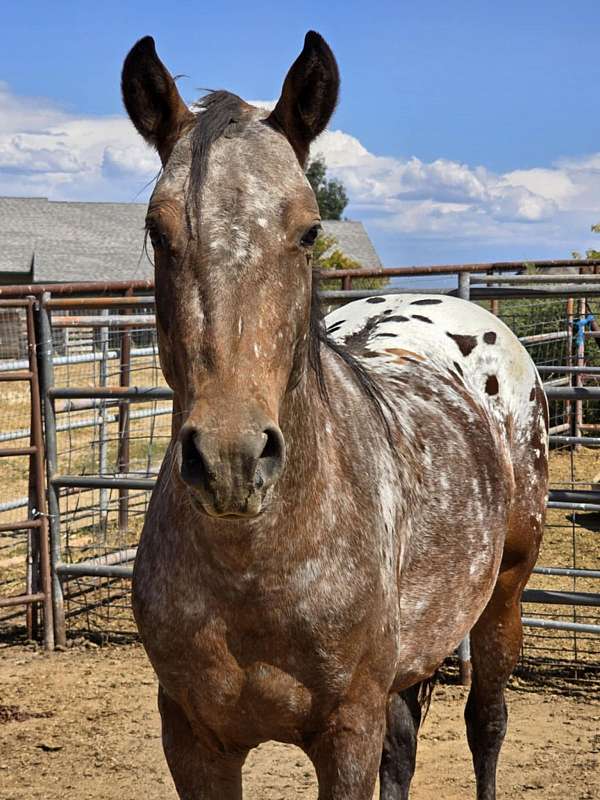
{"points": [[443, 188], [537, 212], [46, 151]]}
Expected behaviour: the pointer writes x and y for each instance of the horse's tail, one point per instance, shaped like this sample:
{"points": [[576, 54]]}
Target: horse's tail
{"points": [[425, 693]]}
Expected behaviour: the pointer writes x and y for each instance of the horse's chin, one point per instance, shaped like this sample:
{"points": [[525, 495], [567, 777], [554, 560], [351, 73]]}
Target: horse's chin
{"points": [[252, 507]]}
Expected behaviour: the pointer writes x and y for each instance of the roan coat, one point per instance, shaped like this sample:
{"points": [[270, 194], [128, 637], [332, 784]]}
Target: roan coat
{"points": [[336, 510]]}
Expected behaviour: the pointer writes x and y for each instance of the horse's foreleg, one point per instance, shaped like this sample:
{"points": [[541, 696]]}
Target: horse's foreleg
{"points": [[400, 744], [346, 755], [199, 772], [495, 644]]}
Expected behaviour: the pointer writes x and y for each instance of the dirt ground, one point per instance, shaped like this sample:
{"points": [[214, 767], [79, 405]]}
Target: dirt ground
{"points": [[83, 725]]}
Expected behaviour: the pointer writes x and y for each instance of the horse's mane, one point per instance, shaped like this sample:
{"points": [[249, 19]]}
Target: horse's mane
{"points": [[216, 112], [318, 338]]}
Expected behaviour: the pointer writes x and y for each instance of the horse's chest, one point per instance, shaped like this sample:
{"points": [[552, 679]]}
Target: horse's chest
{"points": [[244, 689], [241, 704], [248, 674]]}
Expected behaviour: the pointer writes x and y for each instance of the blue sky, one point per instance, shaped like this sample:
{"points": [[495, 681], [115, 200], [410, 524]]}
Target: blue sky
{"points": [[465, 130]]}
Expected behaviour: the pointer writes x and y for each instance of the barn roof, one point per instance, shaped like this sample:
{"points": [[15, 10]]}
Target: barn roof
{"points": [[353, 240], [43, 241]]}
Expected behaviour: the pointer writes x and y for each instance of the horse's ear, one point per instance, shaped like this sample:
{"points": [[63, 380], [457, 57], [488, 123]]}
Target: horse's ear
{"points": [[151, 98], [309, 94]]}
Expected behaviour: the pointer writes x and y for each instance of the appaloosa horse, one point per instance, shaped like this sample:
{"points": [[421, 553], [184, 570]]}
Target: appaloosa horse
{"points": [[337, 509]]}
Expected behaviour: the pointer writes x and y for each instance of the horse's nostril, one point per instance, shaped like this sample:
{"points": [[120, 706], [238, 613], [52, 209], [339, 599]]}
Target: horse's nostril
{"points": [[271, 460], [194, 469], [273, 445]]}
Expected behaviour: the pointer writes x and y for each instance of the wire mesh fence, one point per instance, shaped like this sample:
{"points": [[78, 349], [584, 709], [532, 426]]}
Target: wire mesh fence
{"points": [[14, 484], [550, 330], [571, 541], [15, 402], [106, 438]]}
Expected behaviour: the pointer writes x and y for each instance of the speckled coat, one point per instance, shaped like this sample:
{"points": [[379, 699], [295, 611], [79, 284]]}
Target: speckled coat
{"points": [[298, 592], [370, 556]]}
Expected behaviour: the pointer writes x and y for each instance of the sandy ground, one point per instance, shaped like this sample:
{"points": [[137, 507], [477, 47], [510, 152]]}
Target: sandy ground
{"points": [[94, 733]]}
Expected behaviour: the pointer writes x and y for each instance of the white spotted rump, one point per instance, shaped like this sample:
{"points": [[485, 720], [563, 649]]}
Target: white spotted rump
{"points": [[397, 331]]}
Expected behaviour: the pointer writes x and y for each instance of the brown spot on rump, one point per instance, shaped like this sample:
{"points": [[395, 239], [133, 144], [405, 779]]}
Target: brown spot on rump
{"points": [[491, 385], [376, 300], [465, 343], [335, 325], [358, 339], [489, 337], [532, 394], [402, 356], [425, 302], [422, 319]]}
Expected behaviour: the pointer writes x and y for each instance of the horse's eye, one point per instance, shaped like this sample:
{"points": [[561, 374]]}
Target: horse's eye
{"points": [[157, 238], [310, 236]]}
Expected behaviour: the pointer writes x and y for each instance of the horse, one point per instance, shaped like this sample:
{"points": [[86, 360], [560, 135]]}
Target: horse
{"points": [[342, 500]]}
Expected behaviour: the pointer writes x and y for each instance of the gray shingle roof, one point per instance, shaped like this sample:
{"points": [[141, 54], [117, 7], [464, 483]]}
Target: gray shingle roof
{"points": [[20, 217], [353, 240], [104, 241]]}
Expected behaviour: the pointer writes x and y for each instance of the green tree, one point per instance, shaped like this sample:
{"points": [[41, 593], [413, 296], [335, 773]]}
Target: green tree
{"points": [[592, 253], [331, 194], [327, 256], [332, 199]]}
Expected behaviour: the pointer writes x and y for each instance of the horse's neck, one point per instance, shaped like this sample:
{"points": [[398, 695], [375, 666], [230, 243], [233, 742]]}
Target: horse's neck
{"points": [[318, 428]]}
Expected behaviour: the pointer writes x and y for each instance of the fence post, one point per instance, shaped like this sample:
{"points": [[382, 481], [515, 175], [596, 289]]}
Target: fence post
{"points": [[103, 427], [37, 492], [123, 445], [34, 534], [580, 363], [494, 303], [46, 378], [572, 378], [464, 285]]}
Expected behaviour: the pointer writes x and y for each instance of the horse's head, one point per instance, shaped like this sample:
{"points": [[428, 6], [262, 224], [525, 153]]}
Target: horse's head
{"points": [[232, 220]]}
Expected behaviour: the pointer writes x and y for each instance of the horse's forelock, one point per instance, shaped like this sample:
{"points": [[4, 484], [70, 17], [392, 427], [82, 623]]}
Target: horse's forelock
{"points": [[216, 112]]}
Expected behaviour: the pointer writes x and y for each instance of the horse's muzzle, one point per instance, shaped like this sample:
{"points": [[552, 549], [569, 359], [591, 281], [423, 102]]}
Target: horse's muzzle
{"points": [[230, 475]]}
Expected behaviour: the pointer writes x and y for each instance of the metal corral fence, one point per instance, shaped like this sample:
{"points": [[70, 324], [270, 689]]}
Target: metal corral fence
{"points": [[106, 410]]}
